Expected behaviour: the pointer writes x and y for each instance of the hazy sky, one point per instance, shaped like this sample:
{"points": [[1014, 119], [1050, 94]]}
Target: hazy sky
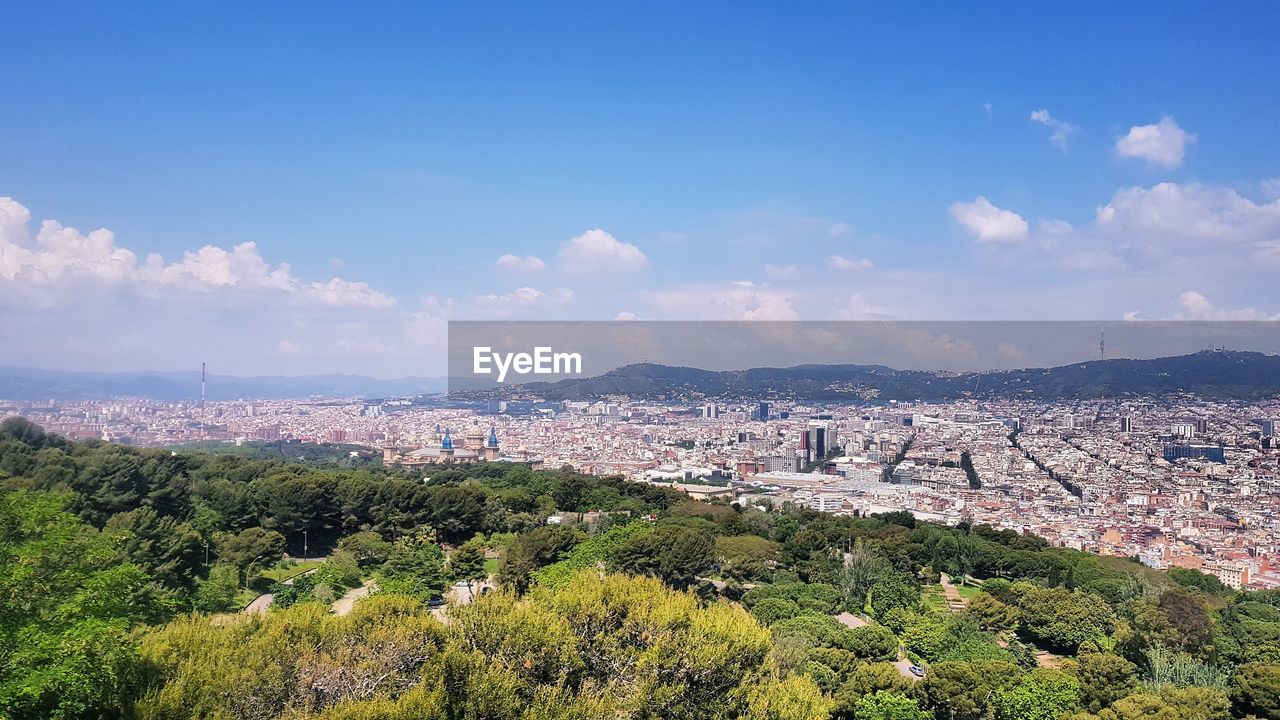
{"points": [[301, 187]]}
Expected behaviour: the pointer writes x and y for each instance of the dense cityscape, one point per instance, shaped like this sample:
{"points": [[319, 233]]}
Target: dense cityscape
{"points": [[1174, 482]]}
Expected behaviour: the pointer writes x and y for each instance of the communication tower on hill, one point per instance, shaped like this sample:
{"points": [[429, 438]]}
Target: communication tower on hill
{"points": [[202, 407]]}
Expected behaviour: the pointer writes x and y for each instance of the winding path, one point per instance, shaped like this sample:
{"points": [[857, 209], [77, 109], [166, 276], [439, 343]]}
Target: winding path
{"points": [[263, 601], [343, 605], [955, 601]]}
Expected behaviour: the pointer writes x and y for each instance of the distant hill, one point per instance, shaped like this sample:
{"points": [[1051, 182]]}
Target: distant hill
{"points": [[34, 384], [1211, 374], [1222, 375]]}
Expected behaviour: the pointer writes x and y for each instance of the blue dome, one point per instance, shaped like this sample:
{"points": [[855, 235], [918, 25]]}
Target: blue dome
{"points": [[447, 442], [493, 438]]}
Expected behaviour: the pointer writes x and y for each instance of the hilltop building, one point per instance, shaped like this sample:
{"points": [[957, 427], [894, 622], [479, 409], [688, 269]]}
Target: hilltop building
{"points": [[476, 446]]}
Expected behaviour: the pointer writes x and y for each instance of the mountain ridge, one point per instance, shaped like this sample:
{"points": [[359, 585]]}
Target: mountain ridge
{"points": [[1214, 374]]}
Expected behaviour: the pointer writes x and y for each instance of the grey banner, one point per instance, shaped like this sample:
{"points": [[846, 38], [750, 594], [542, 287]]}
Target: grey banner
{"points": [[508, 356]]}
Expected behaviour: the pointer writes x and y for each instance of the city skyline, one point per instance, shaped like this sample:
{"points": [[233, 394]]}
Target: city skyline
{"points": [[1175, 481], [271, 208]]}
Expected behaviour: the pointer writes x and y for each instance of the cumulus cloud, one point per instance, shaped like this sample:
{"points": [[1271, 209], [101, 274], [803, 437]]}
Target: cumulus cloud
{"points": [[988, 223], [1011, 354], [1054, 228], [741, 300], [1062, 130], [518, 302], [14, 217], [82, 300], [345, 293], [859, 308], [1172, 218], [1195, 306], [524, 263], [596, 251], [63, 261], [1163, 144], [847, 264], [1167, 225]]}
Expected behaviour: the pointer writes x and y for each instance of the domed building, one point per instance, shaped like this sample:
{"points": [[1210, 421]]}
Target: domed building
{"points": [[475, 446]]}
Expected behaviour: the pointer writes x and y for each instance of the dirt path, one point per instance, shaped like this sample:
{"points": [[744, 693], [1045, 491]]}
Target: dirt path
{"points": [[904, 668], [263, 601], [1046, 659], [343, 605], [851, 621], [955, 601], [259, 604]]}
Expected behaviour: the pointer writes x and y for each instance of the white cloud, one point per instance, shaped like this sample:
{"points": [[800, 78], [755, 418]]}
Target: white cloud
{"points": [[1168, 225], [988, 223], [345, 293], [596, 251], [428, 327], [1163, 144], [1193, 218], [859, 308], [1012, 354], [520, 301], [1062, 130], [522, 263], [1054, 228], [848, 264], [1195, 306], [63, 262], [741, 300], [624, 315], [14, 217], [97, 304], [839, 229]]}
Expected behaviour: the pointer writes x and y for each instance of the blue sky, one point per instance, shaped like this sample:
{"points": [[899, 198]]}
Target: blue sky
{"points": [[806, 160]]}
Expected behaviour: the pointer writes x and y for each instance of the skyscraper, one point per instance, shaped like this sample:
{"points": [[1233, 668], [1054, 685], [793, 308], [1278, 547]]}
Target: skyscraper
{"points": [[817, 440]]}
